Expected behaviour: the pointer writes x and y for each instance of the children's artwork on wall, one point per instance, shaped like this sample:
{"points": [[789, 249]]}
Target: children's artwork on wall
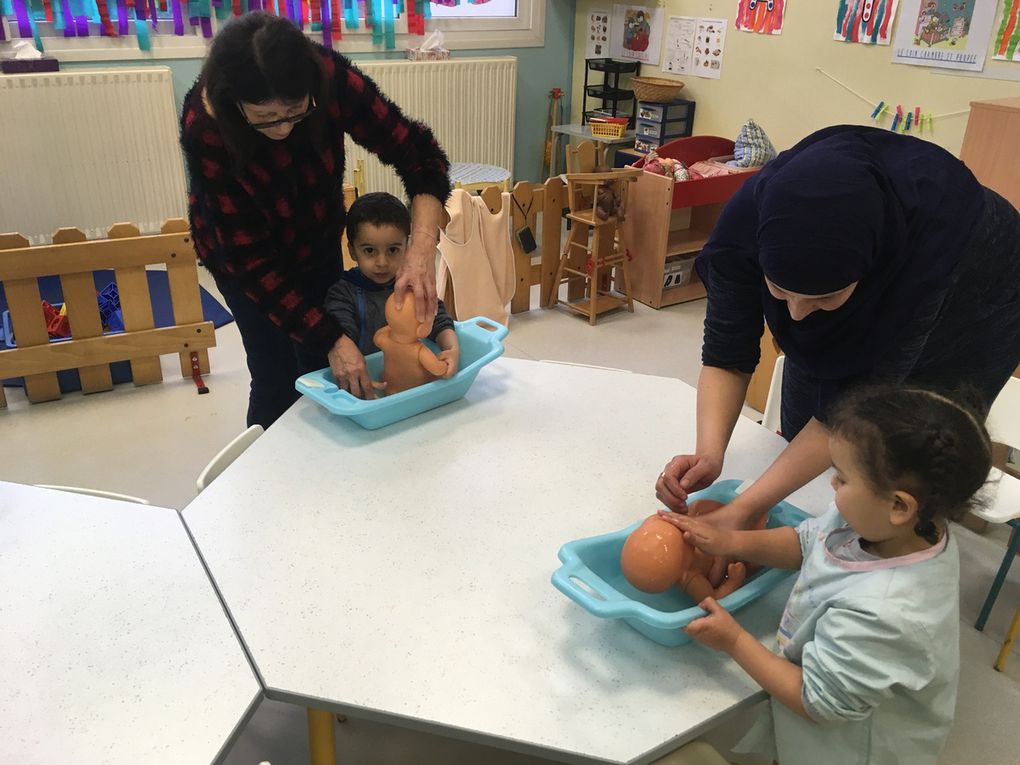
{"points": [[679, 55], [1007, 34], [636, 33], [865, 21], [596, 37], [762, 16], [951, 34]]}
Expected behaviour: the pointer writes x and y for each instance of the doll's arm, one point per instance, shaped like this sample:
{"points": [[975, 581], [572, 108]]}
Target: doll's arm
{"points": [[382, 338], [450, 346], [432, 364]]}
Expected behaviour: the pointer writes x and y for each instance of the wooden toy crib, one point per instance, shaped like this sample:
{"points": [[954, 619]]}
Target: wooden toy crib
{"points": [[73, 259]]}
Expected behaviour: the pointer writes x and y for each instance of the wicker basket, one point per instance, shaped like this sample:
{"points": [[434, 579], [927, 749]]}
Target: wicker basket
{"points": [[608, 129], [656, 89]]}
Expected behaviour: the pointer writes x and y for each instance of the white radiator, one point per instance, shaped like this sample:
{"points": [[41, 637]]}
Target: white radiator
{"points": [[89, 149], [468, 102]]}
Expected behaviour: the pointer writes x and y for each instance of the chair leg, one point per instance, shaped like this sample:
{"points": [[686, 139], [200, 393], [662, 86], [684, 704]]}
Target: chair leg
{"points": [[1007, 644], [595, 253], [321, 737], [1000, 577]]}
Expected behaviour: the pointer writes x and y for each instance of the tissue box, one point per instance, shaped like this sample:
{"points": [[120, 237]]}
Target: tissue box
{"points": [[29, 65], [427, 54]]}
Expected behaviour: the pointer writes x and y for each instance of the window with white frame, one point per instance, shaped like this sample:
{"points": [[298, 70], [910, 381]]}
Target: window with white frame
{"points": [[465, 26]]}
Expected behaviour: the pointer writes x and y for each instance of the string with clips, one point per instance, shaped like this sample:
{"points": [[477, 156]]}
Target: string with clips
{"points": [[902, 120]]}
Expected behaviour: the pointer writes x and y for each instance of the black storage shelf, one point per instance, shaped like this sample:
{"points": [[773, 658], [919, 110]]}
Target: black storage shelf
{"points": [[613, 66], [608, 91]]}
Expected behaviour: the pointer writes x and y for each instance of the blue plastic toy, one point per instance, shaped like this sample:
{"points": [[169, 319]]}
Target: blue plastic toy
{"points": [[481, 341], [591, 577]]}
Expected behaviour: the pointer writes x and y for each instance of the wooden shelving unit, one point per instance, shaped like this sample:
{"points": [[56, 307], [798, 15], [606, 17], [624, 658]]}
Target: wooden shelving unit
{"points": [[651, 235]]}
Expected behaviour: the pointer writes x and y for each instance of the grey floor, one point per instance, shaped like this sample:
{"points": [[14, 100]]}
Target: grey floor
{"points": [[153, 441]]}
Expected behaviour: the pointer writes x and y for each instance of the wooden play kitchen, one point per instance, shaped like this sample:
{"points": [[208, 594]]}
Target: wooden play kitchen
{"points": [[73, 259], [674, 222]]}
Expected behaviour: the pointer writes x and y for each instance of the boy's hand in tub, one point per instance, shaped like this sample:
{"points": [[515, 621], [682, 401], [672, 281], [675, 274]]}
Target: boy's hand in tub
{"points": [[452, 359]]}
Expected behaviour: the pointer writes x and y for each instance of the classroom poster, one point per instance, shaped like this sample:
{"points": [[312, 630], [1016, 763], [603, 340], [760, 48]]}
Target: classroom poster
{"points": [[762, 16], [865, 21], [950, 34], [1007, 34], [694, 46], [636, 33], [679, 53], [709, 41], [597, 35]]}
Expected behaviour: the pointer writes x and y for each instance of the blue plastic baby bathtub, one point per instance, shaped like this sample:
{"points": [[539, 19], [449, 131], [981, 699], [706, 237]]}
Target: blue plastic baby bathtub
{"points": [[481, 341], [591, 577]]}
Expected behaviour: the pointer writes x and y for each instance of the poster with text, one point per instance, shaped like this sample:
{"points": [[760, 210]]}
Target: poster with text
{"points": [[950, 34], [636, 33], [709, 41], [679, 53], [865, 21], [597, 35], [762, 16], [1007, 34]]}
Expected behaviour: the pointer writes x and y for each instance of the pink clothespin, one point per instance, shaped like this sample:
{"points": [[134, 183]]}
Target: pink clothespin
{"points": [[917, 116]]}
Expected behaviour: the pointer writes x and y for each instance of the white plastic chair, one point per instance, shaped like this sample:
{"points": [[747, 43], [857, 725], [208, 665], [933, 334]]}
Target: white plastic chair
{"points": [[95, 493], [771, 418], [1004, 426], [228, 454]]}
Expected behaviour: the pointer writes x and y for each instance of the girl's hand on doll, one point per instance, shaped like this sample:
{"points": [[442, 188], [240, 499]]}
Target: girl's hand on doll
{"points": [[707, 537], [718, 630], [452, 359]]}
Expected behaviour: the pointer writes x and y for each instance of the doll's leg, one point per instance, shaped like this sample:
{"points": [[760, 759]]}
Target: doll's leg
{"points": [[736, 574]]}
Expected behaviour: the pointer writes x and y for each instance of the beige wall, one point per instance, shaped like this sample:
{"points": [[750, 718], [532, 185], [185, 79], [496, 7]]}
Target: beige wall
{"points": [[773, 79]]}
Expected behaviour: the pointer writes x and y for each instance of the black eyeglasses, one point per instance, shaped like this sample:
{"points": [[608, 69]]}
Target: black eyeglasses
{"points": [[283, 121]]}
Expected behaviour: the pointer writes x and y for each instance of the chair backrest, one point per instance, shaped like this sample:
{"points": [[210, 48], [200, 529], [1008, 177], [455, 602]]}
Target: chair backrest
{"points": [[771, 418], [582, 188], [1004, 418], [581, 158], [95, 493], [228, 454]]}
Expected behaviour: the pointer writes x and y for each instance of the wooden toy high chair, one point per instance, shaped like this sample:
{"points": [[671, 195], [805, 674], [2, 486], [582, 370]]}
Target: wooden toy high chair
{"points": [[595, 245]]}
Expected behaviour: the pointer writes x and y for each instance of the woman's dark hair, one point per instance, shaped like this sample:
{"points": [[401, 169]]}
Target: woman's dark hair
{"points": [[378, 209], [919, 441], [257, 58]]}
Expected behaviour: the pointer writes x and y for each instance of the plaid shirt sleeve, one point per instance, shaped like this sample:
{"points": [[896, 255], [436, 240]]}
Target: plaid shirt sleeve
{"points": [[232, 237], [377, 124]]}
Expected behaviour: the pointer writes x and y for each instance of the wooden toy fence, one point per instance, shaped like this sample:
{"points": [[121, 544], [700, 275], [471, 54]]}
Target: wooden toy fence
{"points": [[73, 259], [540, 207]]}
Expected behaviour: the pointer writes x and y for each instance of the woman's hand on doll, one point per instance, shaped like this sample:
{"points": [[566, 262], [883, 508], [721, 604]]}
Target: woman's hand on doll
{"points": [[683, 474], [718, 630], [418, 274], [348, 367], [703, 534], [452, 359]]}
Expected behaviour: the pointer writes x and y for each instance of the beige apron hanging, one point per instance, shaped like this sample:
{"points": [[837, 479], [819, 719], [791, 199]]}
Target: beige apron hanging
{"points": [[476, 255]]}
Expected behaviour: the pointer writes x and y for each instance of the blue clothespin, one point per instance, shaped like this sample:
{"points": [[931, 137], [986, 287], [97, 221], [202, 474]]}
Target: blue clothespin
{"points": [[879, 111]]}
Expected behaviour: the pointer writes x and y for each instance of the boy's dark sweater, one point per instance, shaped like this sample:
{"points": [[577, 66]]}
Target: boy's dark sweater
{"points": [[342, 304]]}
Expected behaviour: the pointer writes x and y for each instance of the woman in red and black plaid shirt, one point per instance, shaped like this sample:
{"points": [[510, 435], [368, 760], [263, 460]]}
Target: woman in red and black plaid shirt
{"points": [[263, 134]]}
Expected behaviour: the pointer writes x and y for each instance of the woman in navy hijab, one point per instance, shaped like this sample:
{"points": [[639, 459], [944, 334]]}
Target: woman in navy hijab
{"points": [[874, 257]]}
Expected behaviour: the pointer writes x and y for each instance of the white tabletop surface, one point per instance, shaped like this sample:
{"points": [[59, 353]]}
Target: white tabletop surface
{"points": [[115, 646], [403, 574]]}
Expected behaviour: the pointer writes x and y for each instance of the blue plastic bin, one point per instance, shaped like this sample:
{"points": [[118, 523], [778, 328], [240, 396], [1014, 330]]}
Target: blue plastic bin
{"points": [[591, 577], [481, 341]]}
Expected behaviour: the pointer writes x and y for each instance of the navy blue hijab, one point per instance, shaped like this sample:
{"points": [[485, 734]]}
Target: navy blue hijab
{"points": [[855, 204]]}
